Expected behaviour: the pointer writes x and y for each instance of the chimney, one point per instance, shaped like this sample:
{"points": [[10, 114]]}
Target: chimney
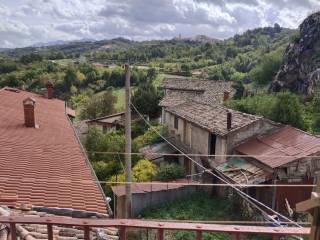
{"points": [[229, 120], [29, 117], [49, 86], [226, 96]]}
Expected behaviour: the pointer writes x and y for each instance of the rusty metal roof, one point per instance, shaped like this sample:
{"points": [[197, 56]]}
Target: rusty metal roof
{"points": [[281, 146]]}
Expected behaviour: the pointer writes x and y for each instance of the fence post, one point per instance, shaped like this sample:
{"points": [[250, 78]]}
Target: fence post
{"points": [[13, 231], [236, 236], [198, 235], [50, 231], [86, 233], [122, 233], [160, 234]]}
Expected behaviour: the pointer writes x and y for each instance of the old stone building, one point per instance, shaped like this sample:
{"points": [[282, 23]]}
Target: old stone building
{"points": [[211, 130]]}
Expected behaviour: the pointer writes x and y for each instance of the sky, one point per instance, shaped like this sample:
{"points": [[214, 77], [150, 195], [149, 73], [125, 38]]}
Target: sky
{"points": [[26, 22]]}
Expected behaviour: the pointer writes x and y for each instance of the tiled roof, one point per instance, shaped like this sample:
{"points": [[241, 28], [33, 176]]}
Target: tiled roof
{"points": [[182, 90], [37, 231], [195, 85], [44, 166], [281, 146], [212, 118]]}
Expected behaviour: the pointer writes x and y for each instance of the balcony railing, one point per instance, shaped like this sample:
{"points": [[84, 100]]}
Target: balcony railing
{"points": [[236, 231]]}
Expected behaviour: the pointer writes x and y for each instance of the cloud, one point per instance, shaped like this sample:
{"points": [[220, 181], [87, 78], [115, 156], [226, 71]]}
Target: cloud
{"points": [[24, 22]]}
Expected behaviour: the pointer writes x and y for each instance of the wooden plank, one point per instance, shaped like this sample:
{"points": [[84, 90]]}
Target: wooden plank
{"points": [[309, 204]]}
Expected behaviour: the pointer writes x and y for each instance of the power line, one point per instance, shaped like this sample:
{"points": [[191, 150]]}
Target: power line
{"points": [[85, 181], [203, 155], [206, 184], [244, 195]]}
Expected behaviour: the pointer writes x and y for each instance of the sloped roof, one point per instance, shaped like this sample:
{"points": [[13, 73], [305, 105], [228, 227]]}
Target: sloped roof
{"points": [[281, 146], [44, 166], [195, 85], [181, 90], [212, 118]]}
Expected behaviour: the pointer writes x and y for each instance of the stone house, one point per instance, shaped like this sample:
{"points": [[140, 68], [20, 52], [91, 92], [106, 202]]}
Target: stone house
{"points": [[105, 124], [198, 122], [178, 91], [199, 128]]}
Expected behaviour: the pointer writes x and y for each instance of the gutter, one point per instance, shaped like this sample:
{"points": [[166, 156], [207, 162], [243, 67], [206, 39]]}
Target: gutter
{"points": [[106, 199]]}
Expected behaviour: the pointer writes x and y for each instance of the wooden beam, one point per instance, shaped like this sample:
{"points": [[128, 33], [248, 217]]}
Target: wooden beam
{"points": [[310, 204]]}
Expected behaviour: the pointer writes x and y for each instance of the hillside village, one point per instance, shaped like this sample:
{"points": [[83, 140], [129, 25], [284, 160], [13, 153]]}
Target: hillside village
{"points": [[214, 142]]}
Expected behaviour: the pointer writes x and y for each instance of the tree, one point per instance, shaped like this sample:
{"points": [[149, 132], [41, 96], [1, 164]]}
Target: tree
{"points": [[287, 109], [264, 72], [70, 78], [238, 86], [146, 99], [316, 111], [99, 105], [7, 67], [152, 73]]}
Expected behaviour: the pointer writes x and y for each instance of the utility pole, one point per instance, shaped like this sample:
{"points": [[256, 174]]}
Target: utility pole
{"points": [[128, 202]]}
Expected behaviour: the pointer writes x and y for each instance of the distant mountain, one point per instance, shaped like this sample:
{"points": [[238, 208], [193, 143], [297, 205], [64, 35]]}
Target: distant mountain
{"points": [[197, 39], [60, 42], [4, 49], [77, 47]]}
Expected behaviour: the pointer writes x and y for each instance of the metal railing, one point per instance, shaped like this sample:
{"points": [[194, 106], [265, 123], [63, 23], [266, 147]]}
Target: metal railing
{"points": [[236, 231]]}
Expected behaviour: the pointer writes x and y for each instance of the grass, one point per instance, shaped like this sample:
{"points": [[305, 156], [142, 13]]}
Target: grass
{"points": [[120, 94], [198, 207]]}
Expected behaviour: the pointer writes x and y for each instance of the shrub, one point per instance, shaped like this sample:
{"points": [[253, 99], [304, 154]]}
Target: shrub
{"points": [[149, 137], [169, 171], [143, 171], [264, 72]]}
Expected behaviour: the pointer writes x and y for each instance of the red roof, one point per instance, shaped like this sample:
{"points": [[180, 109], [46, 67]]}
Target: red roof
{"points": [[44, 166], [280, 147]]}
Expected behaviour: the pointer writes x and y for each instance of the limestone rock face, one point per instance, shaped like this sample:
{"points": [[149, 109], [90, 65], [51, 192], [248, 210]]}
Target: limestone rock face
{"points": [[300, 70]]}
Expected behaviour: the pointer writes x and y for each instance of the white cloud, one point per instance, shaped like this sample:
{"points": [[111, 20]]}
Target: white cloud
{"points": [[24, 22]]}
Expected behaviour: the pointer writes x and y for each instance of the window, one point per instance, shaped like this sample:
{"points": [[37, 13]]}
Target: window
{"points": [[176, 122], [212, 144]]}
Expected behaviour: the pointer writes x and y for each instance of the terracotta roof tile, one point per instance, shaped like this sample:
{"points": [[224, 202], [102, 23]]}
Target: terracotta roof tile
{"points": [[40, 165]]}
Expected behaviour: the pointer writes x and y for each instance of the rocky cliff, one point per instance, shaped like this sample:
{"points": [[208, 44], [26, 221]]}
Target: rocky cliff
{"points": [[300, 70]]}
